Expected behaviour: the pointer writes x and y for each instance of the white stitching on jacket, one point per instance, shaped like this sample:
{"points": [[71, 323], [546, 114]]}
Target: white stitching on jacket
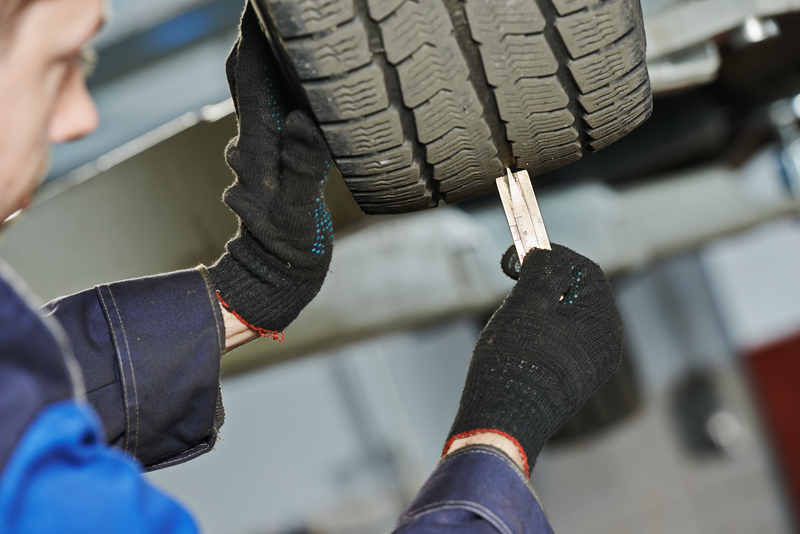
{"points": [[121, 374], [130, 364]]}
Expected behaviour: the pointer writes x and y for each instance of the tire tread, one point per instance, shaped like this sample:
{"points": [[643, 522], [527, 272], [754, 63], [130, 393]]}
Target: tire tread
{"points": [[416, 110]]}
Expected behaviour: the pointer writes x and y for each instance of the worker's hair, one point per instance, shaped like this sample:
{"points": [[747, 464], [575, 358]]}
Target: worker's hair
{"points": [[10, 10]]}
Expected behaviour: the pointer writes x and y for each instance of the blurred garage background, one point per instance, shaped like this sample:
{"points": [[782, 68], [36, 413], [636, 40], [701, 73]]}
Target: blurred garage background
{"points": [[694, 216]]}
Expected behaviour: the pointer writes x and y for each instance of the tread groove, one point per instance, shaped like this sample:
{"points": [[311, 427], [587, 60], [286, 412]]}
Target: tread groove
{"points": [[422, 100], [447, 105]]}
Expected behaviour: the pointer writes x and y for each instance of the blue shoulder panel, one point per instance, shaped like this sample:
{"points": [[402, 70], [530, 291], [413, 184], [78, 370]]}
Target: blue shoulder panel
{"points": [[63, 478], [33, 369]]}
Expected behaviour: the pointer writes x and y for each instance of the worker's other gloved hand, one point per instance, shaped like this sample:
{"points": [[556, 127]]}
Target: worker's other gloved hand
{"points": [[278, 259], [541, 356]]}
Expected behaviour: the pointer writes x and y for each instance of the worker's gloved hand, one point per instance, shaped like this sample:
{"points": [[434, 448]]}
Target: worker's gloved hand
{"points": [[278, 259], [552, 343], [510, 263]]}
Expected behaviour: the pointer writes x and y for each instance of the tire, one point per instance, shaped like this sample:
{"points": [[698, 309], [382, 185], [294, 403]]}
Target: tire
{"points": [[423, 100]]}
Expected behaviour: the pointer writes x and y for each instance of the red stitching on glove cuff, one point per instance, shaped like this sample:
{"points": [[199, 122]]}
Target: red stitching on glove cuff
{"points": [[277, 336], [450, 441]]}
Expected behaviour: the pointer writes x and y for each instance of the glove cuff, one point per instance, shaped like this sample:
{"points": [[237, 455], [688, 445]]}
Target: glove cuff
{"points": [[528, 431], [525, 466], [265, 306], [277, 336]]}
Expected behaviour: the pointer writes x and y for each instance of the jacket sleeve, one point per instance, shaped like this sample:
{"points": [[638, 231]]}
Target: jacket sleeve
{"points": [[149, 350], [477, 490]]}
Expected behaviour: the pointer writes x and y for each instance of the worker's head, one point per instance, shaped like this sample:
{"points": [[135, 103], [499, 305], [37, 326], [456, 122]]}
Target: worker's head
{"points": [[43, 96]]}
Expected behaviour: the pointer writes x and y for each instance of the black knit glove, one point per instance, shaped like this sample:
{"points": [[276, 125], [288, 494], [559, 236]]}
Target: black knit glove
{"points": [[541, 356], [278, 259]]}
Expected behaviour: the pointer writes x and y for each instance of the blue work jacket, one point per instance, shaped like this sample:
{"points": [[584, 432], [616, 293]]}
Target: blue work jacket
{"points": [[98, 386]]}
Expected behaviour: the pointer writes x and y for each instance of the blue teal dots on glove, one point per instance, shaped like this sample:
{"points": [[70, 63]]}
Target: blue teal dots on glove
{"points": [[571, 295], [511, 267], [277, 107], [322, 219]]}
